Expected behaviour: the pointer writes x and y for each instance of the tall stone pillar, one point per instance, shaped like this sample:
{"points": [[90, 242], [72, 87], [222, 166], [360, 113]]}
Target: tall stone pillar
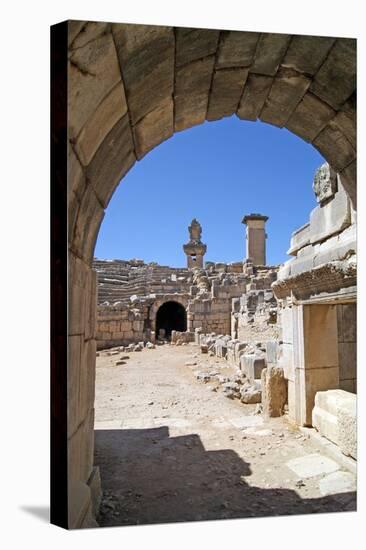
{"points": [[195, 249], [256, 238]]}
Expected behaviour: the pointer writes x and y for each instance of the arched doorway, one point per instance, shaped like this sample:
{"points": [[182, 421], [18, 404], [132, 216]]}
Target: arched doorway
{"points": [[130, 88], [170, 316]]}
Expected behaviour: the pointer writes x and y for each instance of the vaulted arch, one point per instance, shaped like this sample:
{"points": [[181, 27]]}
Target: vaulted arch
{"points": [[130, 87]]}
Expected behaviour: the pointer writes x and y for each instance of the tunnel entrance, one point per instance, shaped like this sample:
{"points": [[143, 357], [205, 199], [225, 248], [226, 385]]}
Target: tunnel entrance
{"points": [[170, 316]]}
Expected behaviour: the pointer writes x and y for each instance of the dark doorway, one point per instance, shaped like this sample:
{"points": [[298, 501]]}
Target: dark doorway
{"points": [[171, 316]]}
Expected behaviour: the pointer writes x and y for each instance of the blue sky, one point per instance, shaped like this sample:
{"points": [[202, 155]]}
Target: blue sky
{"points": [[216, 172]]}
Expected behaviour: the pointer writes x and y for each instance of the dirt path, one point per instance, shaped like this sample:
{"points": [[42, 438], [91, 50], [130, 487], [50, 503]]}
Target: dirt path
{"points": [[171, 449]]}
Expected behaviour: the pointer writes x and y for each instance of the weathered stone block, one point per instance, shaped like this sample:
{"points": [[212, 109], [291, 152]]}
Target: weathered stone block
{"points": [[118, 148], [74, 365], [155, 127], [227, 87], [274, 391], [287, 90], [272, 351], [256, 90], [193, 44], [87, 378], [236, 49], [299, 239], [88, 220], [146, 56], [192, 85], [335, 147], [269, 53], [320, 336], [336, 79], [306, 54], [335, 417], [330, 218], [93, 73], [252, 365], [310, 117], [106, 115], [347, 360]]}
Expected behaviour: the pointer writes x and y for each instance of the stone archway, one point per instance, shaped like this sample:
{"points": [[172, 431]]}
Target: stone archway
{"points": [[130, 87], [170, 316]]}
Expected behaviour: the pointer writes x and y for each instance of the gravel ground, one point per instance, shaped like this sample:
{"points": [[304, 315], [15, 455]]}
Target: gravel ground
{"points": [[172, 448]]}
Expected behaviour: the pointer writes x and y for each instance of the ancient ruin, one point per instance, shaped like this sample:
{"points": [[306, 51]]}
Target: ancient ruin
{"points": [[290, 329]]}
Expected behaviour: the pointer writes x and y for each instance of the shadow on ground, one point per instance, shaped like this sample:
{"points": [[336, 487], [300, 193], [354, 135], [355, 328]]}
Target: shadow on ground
{"points": [[40, 512], [149, 477]]}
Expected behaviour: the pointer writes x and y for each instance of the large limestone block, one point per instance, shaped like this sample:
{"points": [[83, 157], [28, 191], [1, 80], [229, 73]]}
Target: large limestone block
{"points": [[192, 86], [146, 56], [335, 417], [237, 49], [299, 239], [307, 53], [269, 53], [336, 148], [336, 79], [226, 91], [255, 93], [155, 127], [347, 360], [109, 111], [193, 44], [252, 365], [321, 335], [326, 423], [333, 217], [87, 225], [274, 391], [287, 90], [310, 117], [93, 73], [347, 420]]}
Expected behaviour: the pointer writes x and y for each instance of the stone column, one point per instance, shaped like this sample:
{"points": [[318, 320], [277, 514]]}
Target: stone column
{"points": [[195, 249], [256, 238]]}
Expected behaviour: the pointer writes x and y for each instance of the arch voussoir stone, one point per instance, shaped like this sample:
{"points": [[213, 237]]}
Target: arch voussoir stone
{"points": [[306, 54], [269, 54], [310, 117], [112, 108], [336, 79], [226, 91], [256, 90], [194, 44], [191, 93], [146, 57], [288, 88], [118, 148], [93, 73], [335, 147], [236, 49]]}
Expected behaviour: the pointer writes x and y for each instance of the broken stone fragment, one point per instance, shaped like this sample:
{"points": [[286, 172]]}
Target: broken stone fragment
{"points": [[274, 391], [250, 394]]}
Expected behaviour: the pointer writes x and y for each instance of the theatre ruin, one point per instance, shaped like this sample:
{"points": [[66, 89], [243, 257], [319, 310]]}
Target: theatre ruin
{"points": [[290, 328]]}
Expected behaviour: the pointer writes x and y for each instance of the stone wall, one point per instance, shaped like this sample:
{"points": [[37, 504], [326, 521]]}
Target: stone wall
{"points": [[120, 326], [347, 346]]}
